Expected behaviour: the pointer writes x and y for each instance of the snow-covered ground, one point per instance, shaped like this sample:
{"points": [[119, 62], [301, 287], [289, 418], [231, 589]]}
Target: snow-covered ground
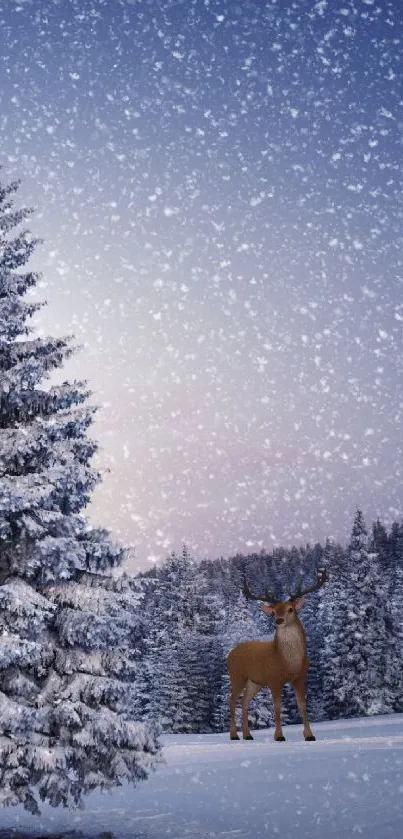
{"points": [[348, 783]]}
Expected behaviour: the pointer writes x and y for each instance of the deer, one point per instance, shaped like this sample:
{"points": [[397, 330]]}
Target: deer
{"points": [[253, 665]]}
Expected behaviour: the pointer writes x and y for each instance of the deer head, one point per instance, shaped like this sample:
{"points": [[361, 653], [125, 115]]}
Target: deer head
{"points": [[284, 613]]}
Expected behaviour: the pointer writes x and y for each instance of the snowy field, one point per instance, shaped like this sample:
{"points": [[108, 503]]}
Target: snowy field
{"points": [[348, 783]]}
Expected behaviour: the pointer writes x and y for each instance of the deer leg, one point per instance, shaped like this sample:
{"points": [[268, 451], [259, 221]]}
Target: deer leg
{"points": [[299, 690], [236, 691], [278, 731], [252, 688]]}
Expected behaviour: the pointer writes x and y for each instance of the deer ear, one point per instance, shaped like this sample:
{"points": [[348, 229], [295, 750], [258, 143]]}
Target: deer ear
{"points": [[299, 603], [268, 609]]}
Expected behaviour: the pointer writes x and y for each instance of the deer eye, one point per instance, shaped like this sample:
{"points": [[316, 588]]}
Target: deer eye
{"points": [[291, 609]]}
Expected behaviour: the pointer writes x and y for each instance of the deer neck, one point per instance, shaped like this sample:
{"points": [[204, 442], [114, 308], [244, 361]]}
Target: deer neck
{"points": [[291, 644]]}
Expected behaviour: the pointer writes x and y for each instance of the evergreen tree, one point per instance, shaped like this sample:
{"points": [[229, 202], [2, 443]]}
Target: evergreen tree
{"points": [[64, 728], [138, 652], [169, 611], [198, 684], [356, 646], [394, 620], [312, 618], [184, 652], [334, 646], [379, 544]]}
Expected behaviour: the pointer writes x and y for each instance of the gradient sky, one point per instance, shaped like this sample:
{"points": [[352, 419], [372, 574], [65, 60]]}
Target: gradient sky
{"points": [[219, 187]]}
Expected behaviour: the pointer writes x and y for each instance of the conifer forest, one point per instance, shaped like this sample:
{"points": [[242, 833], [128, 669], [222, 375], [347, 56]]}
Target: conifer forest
{"points": [[194, 613]]}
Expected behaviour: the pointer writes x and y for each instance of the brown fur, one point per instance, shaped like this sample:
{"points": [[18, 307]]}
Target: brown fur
{"points": [[253, 665]]}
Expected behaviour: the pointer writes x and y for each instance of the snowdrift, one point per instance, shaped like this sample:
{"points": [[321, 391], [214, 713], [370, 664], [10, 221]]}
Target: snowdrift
{"points": [[348, 783]]}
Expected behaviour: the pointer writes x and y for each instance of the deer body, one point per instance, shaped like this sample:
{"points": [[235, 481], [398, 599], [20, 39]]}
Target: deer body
{"points": [[253, 665], [268, 663]]}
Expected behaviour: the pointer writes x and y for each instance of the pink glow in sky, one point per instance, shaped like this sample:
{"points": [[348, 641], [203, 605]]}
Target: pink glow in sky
{"points": [[219, 188]]}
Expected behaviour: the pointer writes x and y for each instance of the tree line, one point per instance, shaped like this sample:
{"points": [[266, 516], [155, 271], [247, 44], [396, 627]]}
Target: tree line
{"points": [[194, 613]]}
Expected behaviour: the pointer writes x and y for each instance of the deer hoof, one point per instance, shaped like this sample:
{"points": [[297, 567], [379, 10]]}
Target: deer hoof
{"points": [[280, 739], [248, 737], [311, 738], [234, 737]]}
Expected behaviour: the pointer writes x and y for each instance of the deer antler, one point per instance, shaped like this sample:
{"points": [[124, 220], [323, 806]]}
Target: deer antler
{"points": [[268, 596], [320, 581]]}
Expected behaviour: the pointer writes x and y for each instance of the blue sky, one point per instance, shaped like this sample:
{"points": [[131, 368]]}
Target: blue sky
{"points": [[219, 188]]}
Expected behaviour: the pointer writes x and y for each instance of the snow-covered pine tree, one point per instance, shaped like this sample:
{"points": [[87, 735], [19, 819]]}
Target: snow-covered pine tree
{"points": [[168, 608], [379, 544], [184, 653], [334, 647], [143, 677], [354, 653], [112, 607], [189, 694], [312, 617], [393, 680], [63, 731]]}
